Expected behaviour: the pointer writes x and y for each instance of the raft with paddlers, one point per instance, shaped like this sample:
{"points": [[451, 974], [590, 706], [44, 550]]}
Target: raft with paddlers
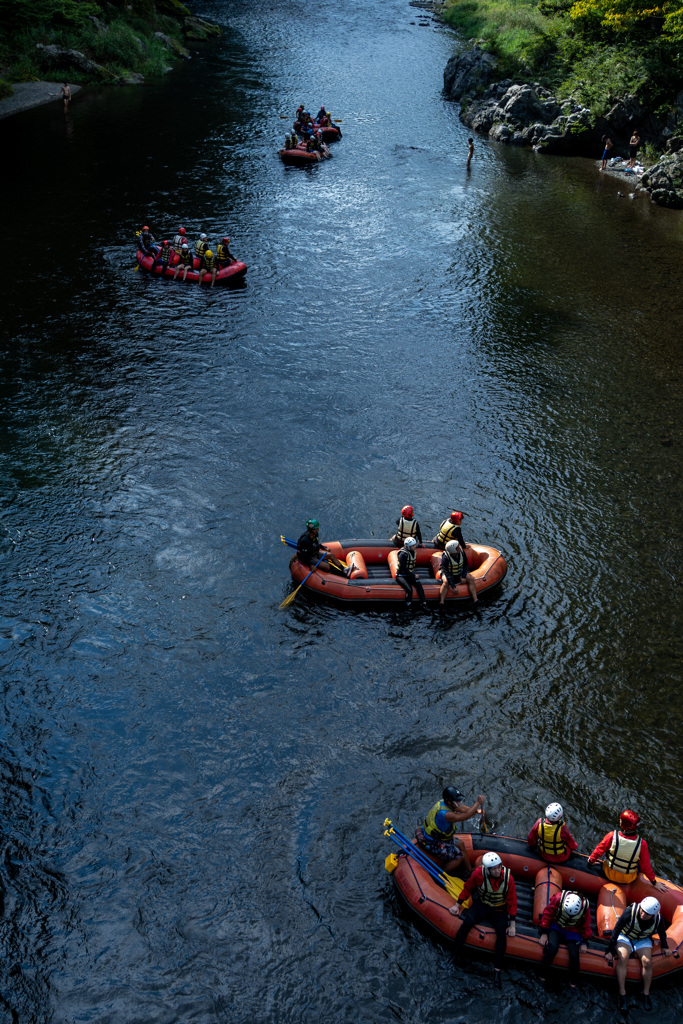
{"points": [[301, 155], [373, 578], [232, 273], [422, 885], [329, 132]]}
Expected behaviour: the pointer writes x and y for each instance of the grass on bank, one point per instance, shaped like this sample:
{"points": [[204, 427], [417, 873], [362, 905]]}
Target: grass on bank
{"points": [[590, 50], [127, 46]]}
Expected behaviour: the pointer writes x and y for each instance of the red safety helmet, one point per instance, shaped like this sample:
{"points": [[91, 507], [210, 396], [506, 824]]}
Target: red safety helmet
{"points": [[407, 511], [165, 242], [630, 820], [226, 240], [145, 228], [181, 231], [456, 517]]}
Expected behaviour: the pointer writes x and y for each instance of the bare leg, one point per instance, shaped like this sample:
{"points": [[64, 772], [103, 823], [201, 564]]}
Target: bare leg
{"points": [[469, 580], [646, 964], [623, 953], [443, 591]]}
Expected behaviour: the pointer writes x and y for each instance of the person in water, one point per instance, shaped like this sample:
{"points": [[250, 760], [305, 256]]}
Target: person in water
{"points": [[567, 918], [494, 900], [454, 569], [449, 530], [437, 833], [408, 526], [632, 934], [208, 265], [406, 576], [65, 93], [550, 835], [309, 550], [470, 152], [185, 263], [625, 853], [223, 254]]}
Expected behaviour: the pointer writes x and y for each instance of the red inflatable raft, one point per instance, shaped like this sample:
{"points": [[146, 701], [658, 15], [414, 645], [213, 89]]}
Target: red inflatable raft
{"points": [[374, 576], [535, 882], [299, 155], [235, 272]]}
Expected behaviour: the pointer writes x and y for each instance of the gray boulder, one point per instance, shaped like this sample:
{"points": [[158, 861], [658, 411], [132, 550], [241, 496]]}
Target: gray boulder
{"points": [[171, 44], [198, 28], [467, 72], [664, 180], [55, 57], [625, 115]]}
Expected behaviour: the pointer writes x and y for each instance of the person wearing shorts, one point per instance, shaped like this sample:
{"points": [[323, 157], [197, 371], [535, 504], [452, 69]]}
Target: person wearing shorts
{"points": [[633, 144], [608, 144], [437, 833], [632, 935]]}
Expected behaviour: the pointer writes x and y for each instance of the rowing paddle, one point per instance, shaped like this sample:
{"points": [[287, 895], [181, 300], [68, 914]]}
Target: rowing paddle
{"points": [[293, 544], [288, 600]]}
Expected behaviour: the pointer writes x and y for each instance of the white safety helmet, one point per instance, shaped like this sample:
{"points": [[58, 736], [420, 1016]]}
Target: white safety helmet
{"points": [[572, 902], [202, 238], [453, 547], [410, 543], [184, 245], [650, 906], [554, 812], [491, 860]]}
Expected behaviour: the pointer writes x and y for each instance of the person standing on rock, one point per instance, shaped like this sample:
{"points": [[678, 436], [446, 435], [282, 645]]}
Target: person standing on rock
{"points": [[634, 142], [470, 152], [607, 143]]}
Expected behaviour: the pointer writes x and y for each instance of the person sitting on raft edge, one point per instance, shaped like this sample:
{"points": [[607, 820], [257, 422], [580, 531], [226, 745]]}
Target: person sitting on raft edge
{"points": [[633, 934], [449, 530], [494, 900], [185, 262], [454, 569], [406, 576], [309, 549], [550, 835], [625, 853], [567, 918], [437, 834], [408, 526]]}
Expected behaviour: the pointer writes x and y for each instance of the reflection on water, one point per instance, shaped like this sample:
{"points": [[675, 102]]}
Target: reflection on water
{"points": [[195, 782]]}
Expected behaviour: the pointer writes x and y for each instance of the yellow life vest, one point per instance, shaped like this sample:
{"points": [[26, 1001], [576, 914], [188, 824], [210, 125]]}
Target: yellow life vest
{"points": [[495, 898], [455, 564], [165, 253], [622, 858], [200, 248], [549, 842], [406, 528], [447, 532], [223, 253], [412, 558], [185, 257], [566, 920], [636, 929], [430, 826], [209, 262]]}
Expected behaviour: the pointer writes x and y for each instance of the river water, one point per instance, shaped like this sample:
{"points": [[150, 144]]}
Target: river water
{"points": [[194, 782]]}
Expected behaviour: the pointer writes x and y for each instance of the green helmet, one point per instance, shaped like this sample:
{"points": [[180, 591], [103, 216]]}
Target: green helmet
{"points": [[312, 524]]}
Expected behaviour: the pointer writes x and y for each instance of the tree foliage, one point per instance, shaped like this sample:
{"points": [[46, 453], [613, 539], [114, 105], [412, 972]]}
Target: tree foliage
{"points": [[631, 16]]}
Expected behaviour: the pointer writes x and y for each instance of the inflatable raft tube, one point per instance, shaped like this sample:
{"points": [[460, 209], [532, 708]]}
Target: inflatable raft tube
{"points": [[373, 580], [235, 272], [430, 902], [330, 133], [300, 156]]}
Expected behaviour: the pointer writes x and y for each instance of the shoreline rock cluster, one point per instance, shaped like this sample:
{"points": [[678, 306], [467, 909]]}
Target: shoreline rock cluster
{"points": [[530, 115]]}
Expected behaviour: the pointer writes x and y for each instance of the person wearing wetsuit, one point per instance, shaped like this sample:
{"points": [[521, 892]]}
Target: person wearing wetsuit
{"points": [[494, 900], [567, 918], [146, 242], [449, 530], [408, 526], [551, 837], [309, 550], [405, 573], [223, 255], [633, 934], [454, 569]]}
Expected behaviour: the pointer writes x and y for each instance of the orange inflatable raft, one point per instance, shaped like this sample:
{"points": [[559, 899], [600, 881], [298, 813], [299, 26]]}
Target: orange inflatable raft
{"points": [[374, 578], [536, 882]]}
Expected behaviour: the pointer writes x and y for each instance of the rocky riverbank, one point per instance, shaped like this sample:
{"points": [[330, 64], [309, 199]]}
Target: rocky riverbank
{"points": [[528, 114]]}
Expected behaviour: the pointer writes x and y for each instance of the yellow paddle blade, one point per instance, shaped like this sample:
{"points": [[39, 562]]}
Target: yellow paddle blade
{"points": [[136, 267], [453, 886], [288, 600], [337, 120]]}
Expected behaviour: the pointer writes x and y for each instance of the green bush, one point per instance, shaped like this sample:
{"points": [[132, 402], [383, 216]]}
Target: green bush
{"points": [[5, 89], [604, 74]]}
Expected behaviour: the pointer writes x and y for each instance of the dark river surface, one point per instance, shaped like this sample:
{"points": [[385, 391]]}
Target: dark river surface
{"points": [[194, 782]]}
